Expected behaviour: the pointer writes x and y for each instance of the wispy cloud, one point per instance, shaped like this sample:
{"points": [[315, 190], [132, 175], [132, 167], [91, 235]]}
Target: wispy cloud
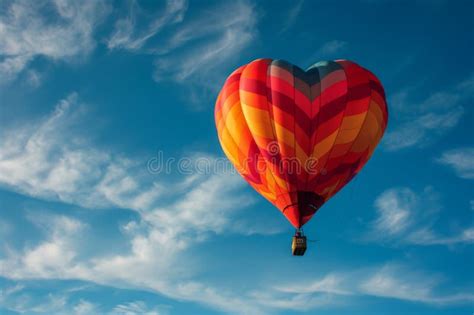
{"points": [[394, 208], [217, 37], [399, 282], [331, 283], [404, 216], [420, 124], [136, 307], [332, 47], [28, 302], [48, 160], [56, 252], [33, 78], [460, 160], [22, 303], [5, 228], [189, 50], [59, 30], [328, 50], [334, 290], [391, 280], [423, 129], [84, 307], [293, 13], [38, 159], [126, 33]]}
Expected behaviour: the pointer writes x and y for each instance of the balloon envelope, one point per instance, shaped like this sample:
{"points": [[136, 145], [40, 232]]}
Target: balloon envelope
{"points": [[297, 137]]}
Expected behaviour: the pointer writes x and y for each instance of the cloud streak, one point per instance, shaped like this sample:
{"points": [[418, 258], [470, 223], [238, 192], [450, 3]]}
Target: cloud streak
{"points": [[293, 13], [398, 282], [126, 34], [189, 50], [404, 216], [424, 122], [217, 38], [336, 289], [460, 160], [333, 290], [27, 32], [47, 160], [38, 160]]}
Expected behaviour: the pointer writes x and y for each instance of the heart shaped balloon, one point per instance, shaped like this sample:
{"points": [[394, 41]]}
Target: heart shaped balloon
{"points": [[297, 137]]}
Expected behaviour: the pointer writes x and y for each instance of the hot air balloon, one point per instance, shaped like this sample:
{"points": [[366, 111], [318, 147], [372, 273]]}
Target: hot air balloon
{"points": [[297, 137]]}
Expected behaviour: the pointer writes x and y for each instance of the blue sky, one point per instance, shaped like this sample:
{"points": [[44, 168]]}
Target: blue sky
{"points": [[92, 94]]}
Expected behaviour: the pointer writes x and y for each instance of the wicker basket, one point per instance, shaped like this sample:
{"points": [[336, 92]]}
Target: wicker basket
{"points": [[298, 246]]}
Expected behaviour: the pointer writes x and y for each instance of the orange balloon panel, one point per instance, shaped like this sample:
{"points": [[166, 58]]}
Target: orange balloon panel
{"points": [[297, 137]]}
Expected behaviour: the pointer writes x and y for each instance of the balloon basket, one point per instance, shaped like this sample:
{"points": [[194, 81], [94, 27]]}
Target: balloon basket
{"points": [[298, 246]]}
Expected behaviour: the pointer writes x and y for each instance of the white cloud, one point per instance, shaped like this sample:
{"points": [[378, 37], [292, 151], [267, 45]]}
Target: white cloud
{"points": [[461, 160], [18, 300], [52, 257], [51, 304], [127, 36], [4, 293], [25, 298], [293, 13], [85, 308], [336, 289], [157, 260], [10, 67], [134, 308], [390, 282], [217, 37], [420, 124], [144, 269], [328, 50], [5, 228], [33, 78], [398, 282], [331, 283], [332, 47], [295, 302], [48, 160], [406, 217], [394, 209], [189, 50], [58, 30], [423, 129]]}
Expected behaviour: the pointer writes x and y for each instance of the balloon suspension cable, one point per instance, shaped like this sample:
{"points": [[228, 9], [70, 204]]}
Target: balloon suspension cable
{"points": [[300, 232]]}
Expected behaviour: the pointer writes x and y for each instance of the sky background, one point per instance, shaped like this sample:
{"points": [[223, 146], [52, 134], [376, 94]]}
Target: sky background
{"points": [[94, 93]]}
